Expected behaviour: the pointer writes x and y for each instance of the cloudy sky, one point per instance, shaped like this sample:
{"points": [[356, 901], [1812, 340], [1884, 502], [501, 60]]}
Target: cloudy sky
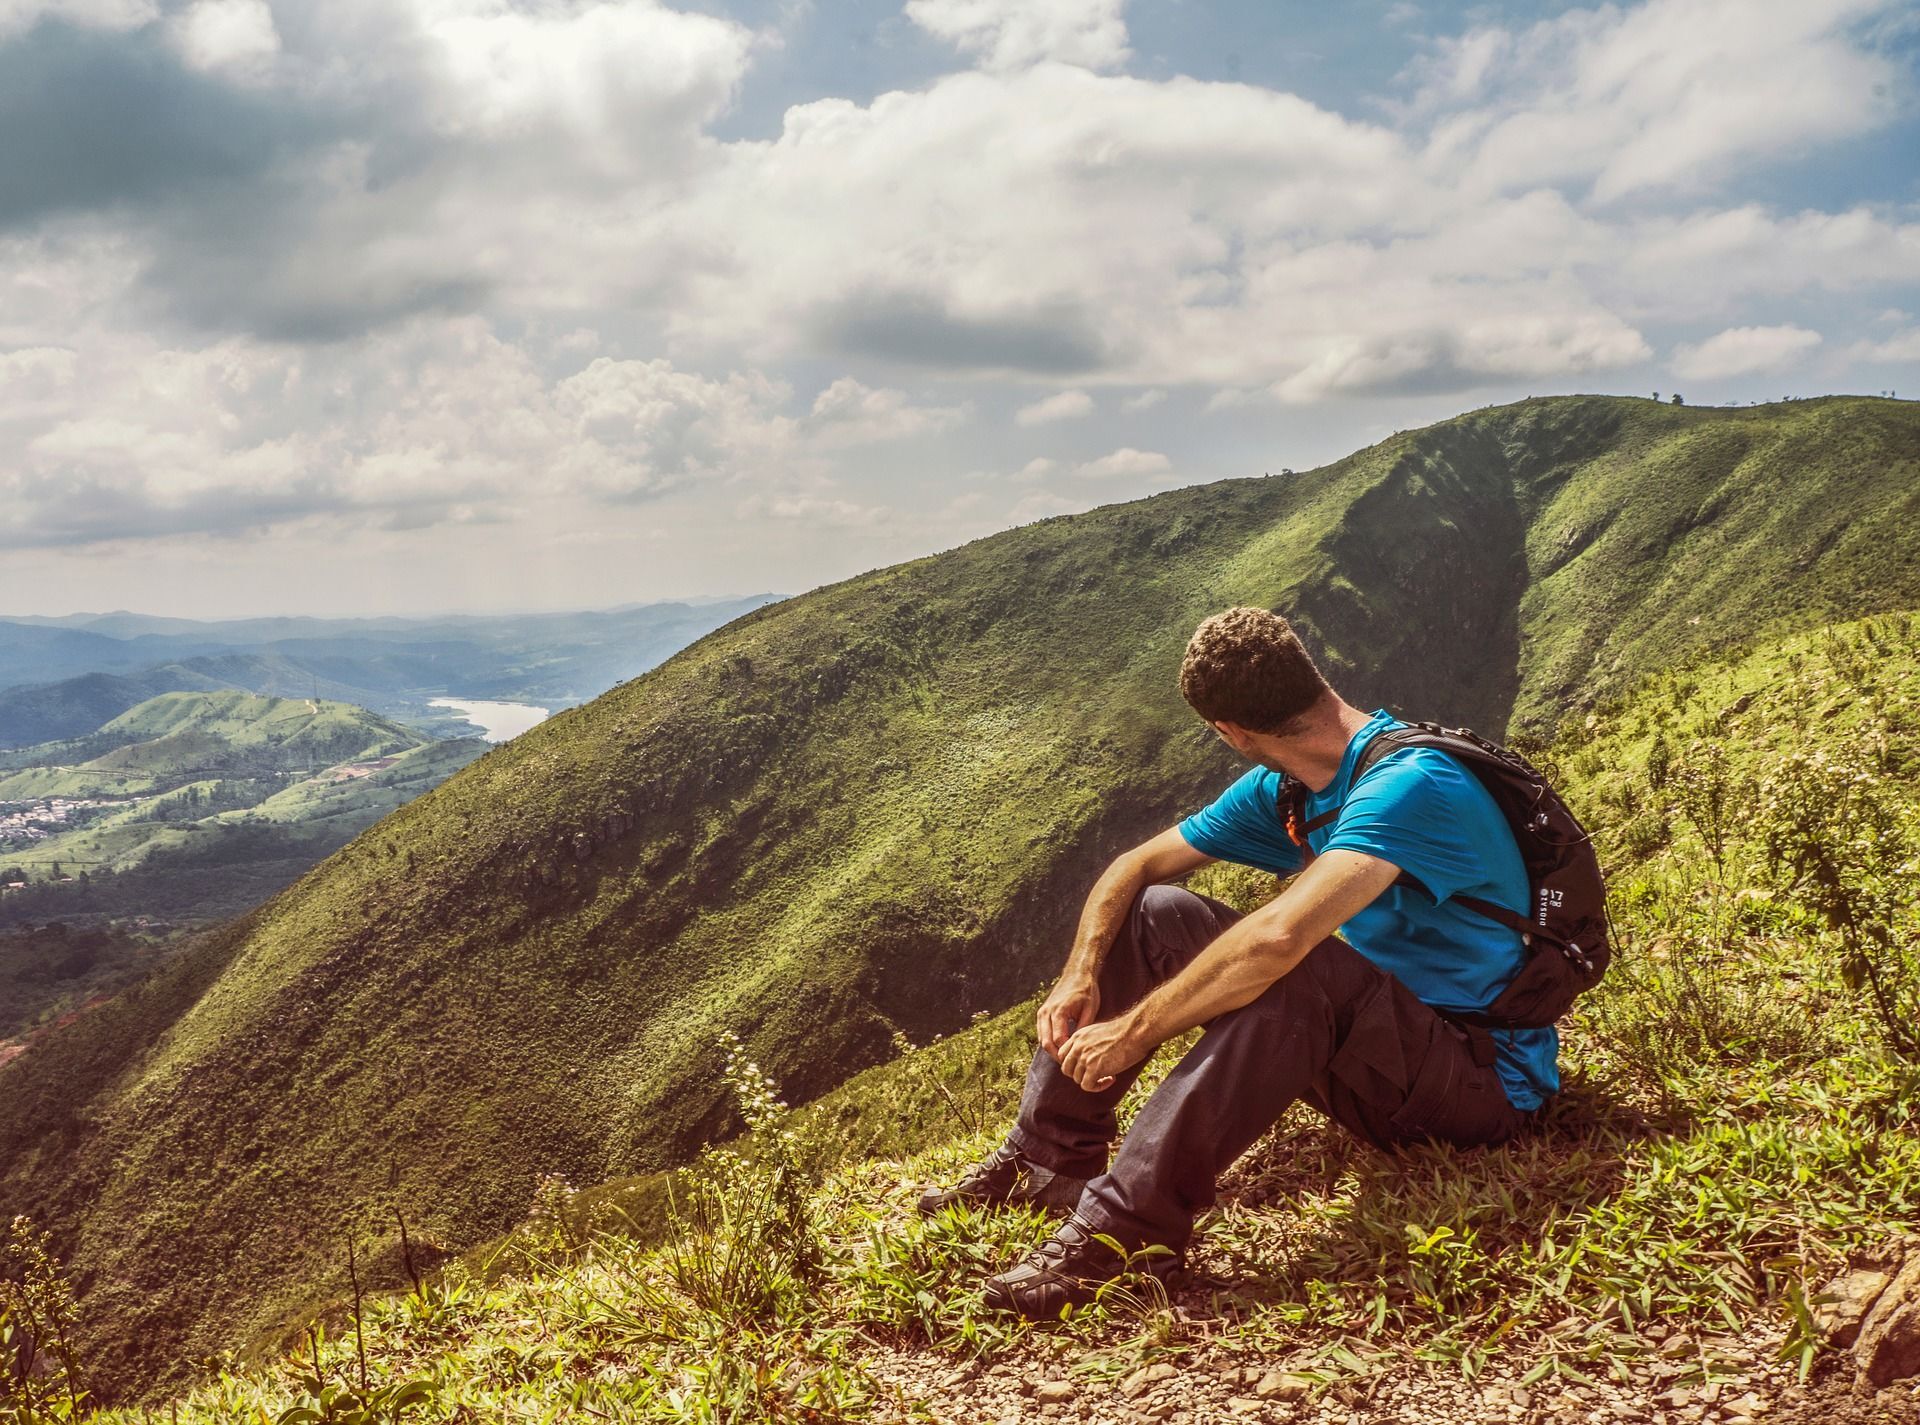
{"points": [[361, 306]]}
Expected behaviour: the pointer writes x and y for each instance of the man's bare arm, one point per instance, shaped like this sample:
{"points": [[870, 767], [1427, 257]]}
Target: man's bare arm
{"points": [[1236, 968], [1075, 999]]}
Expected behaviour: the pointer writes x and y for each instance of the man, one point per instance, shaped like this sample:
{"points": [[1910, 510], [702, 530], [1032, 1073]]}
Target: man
{"points": [[1351, 1025]]}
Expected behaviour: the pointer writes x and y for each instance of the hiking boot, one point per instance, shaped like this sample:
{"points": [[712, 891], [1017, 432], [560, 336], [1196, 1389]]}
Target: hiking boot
{"points": [[1068, 1269], [1007, 1176]]}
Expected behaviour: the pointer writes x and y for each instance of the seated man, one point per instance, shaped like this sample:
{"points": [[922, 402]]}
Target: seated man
{"points": [[1349, 1025]]}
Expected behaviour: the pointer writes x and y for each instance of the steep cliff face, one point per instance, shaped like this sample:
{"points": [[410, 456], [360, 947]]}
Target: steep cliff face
{"points": [[875, 806]]}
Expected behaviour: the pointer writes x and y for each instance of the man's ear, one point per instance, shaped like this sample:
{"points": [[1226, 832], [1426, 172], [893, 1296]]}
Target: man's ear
{"points": [[1234, 735]]}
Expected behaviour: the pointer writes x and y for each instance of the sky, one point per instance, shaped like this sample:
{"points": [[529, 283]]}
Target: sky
{"points": [[410, 306]]}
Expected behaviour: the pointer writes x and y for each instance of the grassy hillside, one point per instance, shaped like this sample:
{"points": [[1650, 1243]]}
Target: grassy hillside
{"points": [[1740, 1124], [174, 736], [872, 810], [196, 806]]}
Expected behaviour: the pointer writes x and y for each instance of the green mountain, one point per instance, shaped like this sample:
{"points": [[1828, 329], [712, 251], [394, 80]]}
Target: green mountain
{"points": [[868, 810], [196, 806], [54, 712], [169, 741]]}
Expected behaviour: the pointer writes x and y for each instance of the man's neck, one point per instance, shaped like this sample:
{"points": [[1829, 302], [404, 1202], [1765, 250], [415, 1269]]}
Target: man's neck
{"points": [[1314, 754]]}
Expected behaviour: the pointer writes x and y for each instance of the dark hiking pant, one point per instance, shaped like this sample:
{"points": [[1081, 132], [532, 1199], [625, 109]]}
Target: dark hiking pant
{"points": [[1337, 1031]]}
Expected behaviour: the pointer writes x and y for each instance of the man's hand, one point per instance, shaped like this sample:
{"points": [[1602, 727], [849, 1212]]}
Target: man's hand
{"points": [[1072, 1003], [1097, 1052]]}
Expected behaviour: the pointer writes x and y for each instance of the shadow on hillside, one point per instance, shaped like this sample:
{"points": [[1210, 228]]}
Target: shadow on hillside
{"points": [[1310, 1203]]}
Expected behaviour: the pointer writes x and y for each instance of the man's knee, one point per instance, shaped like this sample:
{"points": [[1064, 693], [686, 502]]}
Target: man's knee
{"points": [[1161, 908], [1172, 921]]}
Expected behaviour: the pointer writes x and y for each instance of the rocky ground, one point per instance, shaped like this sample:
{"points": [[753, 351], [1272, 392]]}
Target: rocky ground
{"points": [[1688, 1378], [1237, 1388]]}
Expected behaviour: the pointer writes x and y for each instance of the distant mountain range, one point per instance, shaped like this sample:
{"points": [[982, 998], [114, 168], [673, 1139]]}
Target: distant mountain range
{"points": [[869, 810], [63, 677]]}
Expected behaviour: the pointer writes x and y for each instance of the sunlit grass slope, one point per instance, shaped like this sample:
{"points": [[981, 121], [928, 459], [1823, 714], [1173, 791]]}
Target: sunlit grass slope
{"points": [[870, 809], [1738, 1126]]}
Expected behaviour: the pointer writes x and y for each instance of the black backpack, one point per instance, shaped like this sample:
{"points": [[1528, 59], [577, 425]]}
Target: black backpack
{"points": [[1566, 940]]}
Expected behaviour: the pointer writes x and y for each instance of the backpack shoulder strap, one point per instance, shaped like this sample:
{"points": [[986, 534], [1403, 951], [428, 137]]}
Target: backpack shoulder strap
{"points": [[1293, 793]]}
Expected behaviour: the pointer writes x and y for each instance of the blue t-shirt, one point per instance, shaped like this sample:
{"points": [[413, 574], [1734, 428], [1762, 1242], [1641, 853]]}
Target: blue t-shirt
{"points": [[1424, 812]]}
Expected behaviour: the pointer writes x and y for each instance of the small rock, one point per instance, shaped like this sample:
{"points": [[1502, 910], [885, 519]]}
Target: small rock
{"points": [[1843, 1303], [1677, 1347], [1053, 1392], [1748, 1405], [1888, 1347], [1245, 1405], [1144, 1379], [1280, 1385]]}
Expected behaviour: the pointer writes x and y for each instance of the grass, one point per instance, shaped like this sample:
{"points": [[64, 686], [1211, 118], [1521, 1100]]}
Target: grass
{"points": [[866, 812]]}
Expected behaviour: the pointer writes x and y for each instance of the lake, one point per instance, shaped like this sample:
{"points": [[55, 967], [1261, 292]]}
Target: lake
{"points": [[496, 721]]}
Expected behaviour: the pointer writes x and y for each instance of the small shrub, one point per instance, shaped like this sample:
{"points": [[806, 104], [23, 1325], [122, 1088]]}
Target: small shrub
{"points": [[1833, 838], [553, 1229], [38, 1323], [1644, 835], [744, 1249], [1659, 762], [1704, 792]]}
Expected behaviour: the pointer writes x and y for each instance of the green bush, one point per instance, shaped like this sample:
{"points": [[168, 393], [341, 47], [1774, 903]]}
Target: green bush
{"points": [[39, 1357]]}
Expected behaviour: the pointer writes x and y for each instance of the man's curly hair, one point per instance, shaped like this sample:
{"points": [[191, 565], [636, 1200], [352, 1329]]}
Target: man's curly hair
{"points": [[1247, 666]]}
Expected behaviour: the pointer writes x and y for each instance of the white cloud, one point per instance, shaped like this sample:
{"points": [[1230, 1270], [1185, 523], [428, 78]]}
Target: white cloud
{"points": [[1743, 351], [848, 413], [1125, 461], [1715, 260], [1144, 400], [622, 76], [1177, 232], [36, 373], [432, 423], [1037, 468], [236, 37], [629, 428], [814, 510], [1901, 346], [1670, 93], [1066, 406], [1010, 34]]}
